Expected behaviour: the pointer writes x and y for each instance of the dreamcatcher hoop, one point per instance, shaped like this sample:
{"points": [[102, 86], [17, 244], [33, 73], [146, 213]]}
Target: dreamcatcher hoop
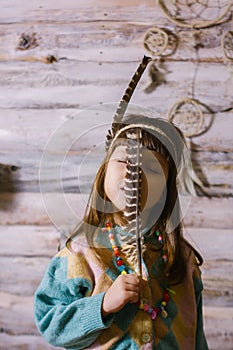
{"points": [[227, 45], [155, 41], [173, 12], [160, 42], [188, 116]]}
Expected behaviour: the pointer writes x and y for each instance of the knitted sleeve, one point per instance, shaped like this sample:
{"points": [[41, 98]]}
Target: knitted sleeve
{"points": [[66, 313]]}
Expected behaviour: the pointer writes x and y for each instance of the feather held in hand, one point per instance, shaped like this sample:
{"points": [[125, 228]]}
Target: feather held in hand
{"points": [[133, 193]]}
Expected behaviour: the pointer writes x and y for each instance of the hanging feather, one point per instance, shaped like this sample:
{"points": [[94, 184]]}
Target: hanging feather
{"points": [[156, 78]]}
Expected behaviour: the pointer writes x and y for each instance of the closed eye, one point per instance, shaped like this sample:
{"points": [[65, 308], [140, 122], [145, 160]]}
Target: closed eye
{"points": [[153, 170]]}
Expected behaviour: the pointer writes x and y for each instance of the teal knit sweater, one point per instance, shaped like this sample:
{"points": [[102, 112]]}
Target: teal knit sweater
{"points": [[69, 298]]}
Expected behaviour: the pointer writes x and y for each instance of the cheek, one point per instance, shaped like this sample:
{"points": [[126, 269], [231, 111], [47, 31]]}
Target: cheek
{"points": [[156, 186], [115, 174], [109, 177], [115, 171], [152, 188]]}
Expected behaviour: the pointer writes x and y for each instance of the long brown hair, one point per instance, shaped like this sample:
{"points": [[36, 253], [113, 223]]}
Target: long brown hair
{"points": [[170, 145]]}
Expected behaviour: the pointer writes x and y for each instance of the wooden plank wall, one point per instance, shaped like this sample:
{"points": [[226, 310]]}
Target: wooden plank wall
{"points": [[80, 54]]}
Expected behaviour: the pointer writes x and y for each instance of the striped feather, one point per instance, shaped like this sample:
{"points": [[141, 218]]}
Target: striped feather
{"points": [[133, 194], [125, 100]]}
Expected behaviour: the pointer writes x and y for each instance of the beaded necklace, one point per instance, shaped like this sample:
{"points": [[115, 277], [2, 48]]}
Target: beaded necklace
{"points": [[142, 305]]}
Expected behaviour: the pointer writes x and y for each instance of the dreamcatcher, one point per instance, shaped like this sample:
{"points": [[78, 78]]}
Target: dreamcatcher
{"points": [[195, 14], [227, 45], [160, 42], [188, 116]]}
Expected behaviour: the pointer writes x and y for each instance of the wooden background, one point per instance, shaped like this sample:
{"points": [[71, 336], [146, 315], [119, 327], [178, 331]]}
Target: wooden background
{"points": [[83, 53]]}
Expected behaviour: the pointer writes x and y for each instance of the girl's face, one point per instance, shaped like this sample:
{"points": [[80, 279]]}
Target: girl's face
{"points": [[154, 177]]}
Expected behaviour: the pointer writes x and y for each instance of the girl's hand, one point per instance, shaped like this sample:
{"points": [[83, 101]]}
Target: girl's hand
{"points": [[125, 289]]}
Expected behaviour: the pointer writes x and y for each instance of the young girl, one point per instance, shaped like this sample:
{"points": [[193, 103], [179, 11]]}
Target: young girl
{"points": [[127, 279]]}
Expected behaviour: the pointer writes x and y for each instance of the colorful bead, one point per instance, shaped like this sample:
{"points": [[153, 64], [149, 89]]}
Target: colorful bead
{"points": [[171, 291], [160, 239], [119, 261], [146, 307], [142, 305], [164, 313], [153, 315], [166, 297]]}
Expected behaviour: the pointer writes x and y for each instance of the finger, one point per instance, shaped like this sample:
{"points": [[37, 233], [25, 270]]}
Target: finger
{"points": [[133, 297], [133, 279], [132, 288]]}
